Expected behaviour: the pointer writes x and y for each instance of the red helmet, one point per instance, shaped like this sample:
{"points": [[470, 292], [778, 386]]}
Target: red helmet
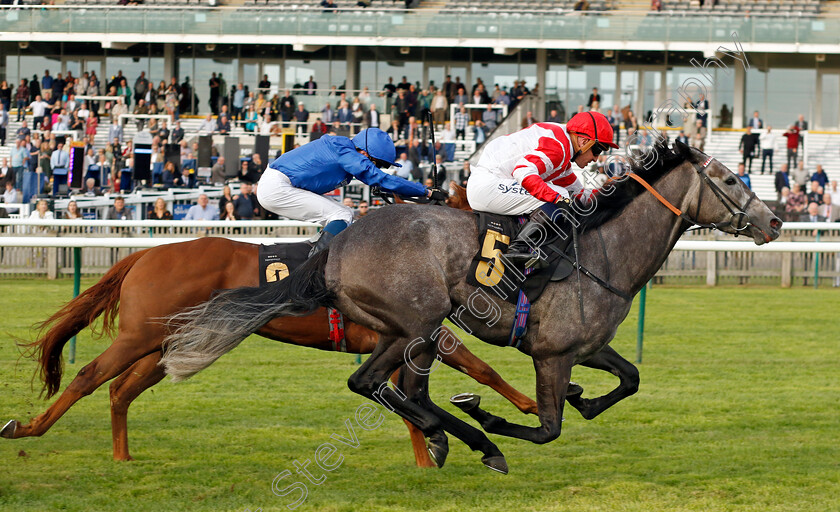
{"points": [[592, 125]]}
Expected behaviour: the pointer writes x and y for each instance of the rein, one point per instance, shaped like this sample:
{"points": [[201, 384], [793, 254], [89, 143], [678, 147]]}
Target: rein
{"points": [[739, 220]]}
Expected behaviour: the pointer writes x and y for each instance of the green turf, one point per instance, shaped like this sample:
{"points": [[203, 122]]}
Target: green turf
{"points": [[739, 409]]}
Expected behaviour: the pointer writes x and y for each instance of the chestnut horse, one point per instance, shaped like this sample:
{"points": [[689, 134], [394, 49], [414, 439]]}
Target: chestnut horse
{"points": [[138, 291]]}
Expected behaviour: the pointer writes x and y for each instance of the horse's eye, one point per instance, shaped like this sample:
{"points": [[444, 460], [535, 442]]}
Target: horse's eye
{"points": [[730, 181]]}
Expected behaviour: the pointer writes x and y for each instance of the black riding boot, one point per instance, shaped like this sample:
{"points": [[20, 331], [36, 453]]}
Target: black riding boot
{"points": [[539, 231], [322, 243]]}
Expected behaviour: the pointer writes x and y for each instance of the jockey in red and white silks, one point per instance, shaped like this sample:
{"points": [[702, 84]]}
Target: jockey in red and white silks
{"points": [[520, 172], [532, 169]]}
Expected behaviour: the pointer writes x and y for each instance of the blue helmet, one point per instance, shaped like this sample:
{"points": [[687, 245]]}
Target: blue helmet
{"points": [[377, 144]]}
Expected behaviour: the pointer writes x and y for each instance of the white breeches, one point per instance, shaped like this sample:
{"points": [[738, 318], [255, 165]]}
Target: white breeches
{"points": [[487, 192], [277, 195]]}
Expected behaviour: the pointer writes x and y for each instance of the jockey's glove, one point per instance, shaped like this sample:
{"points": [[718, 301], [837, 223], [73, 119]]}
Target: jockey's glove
{"points": [[438, 195]]}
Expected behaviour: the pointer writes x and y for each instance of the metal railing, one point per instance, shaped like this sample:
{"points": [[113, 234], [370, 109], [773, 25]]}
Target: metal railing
{"points": [[91, 22]]}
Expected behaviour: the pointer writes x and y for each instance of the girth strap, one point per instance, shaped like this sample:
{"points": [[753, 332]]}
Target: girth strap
{"points": [[336, 320]]}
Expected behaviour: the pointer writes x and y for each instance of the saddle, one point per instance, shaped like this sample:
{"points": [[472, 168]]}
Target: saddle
{"points": [[490, 271]]}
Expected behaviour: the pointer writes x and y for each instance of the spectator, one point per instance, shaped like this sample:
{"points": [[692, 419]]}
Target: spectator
{"points": [[826, 207], [247, 173], [820, 177], [177, 133], [834, 191], [488, 117], [800, 175], [813, 214], [5, 96], [224, 125], [4, 123], [594, 102], [141, 109], [159, 211], [227, 197], [123, 90], [72, 212], [782, 180], [229, 212], [164, 132], [60, 165], [439, 107], [795, 203], [238, 102], [447, 134], [344, 114], [462, 119], [10, 195], [441, 170], [42, 211], [682, 137], [38, 107], [801, 124], [371, 118], [364, 209], [656, 5], [528, 120], [119, 109], [406, 168], [22, 99], [792, 135], [310, 86], [702, 107], [209, 124], [90, 189], [816, 194], [202, 210], [217, 173], [119, 210], [767, 142], [553, 117], [245, 203], [251, 118], [748, 147], [744, 177]]}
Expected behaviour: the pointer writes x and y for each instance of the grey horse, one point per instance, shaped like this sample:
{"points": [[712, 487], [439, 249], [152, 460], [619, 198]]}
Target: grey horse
{"points": [[403, 270]]}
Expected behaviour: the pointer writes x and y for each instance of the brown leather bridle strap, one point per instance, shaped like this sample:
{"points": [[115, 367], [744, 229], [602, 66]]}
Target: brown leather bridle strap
{"points": [[656, 194]]}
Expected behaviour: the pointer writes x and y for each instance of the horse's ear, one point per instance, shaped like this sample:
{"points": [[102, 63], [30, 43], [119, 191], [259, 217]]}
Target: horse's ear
{"points": [[683, 149]]}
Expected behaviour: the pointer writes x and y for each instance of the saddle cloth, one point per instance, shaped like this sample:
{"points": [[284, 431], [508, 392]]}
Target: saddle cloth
{"points": [[278, 260], [489, 271]]}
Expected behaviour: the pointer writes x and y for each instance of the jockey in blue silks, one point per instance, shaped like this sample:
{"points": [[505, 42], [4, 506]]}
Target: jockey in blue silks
{"points": [[292, 185]]}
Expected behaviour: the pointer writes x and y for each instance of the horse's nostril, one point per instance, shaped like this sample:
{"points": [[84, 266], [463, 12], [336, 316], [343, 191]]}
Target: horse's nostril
{"points": [[776, 223]]}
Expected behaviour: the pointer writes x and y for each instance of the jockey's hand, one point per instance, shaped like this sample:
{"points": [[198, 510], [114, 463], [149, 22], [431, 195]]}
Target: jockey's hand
{"points": [[437, 195], [563, 198]]}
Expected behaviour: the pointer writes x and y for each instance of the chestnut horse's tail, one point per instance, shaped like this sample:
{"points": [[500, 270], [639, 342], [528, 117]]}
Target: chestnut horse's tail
{"points": [[203, 333], [103, 297]]}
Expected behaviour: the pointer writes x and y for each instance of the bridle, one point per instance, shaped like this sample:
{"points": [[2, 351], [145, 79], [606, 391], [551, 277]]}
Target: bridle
{"points": [[739, 219]]}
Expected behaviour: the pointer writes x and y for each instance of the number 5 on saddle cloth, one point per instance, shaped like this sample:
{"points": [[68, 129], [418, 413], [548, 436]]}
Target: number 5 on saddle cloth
{"points": [[493, 272]]}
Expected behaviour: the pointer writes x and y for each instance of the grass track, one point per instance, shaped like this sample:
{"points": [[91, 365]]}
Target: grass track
{"points": [[739, 409]]}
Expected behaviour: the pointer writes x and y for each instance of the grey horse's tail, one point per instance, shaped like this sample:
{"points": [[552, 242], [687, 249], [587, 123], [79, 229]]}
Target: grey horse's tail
{"points": [[203, 333]]}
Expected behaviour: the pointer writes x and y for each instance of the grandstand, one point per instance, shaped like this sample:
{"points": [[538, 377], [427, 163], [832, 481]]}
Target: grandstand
{"points": [[775, 57]]}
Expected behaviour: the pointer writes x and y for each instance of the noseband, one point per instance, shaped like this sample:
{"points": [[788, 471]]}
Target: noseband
{"points": [[739, 220]]}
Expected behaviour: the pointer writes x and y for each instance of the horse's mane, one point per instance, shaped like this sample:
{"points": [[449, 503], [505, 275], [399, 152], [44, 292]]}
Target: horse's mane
{"points": [[650, 166]]}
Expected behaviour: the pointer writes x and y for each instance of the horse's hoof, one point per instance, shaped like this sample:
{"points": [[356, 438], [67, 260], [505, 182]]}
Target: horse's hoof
{"points": [[496, 463], [9, 429], [438, 450], [574, 389], [465, 401]]}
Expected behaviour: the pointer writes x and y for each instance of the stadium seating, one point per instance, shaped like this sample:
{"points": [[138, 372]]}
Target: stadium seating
{"points": [[739, 7]]}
